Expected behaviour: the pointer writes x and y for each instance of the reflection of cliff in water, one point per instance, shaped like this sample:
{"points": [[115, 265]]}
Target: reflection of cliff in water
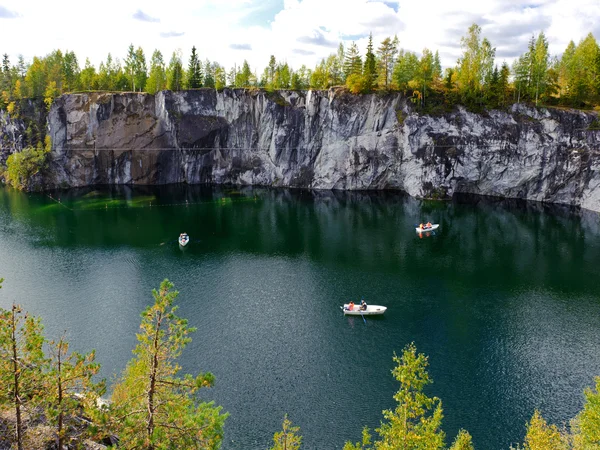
{"points": [[547, 242]]}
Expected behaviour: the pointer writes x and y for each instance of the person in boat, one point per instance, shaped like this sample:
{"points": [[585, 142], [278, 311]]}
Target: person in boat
{"points": [[421, 226], [363, 305], [351, 306], [428, 225]]}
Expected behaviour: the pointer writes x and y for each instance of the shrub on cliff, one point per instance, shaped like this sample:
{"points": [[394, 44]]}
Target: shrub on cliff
{"points": [[23, 165]]}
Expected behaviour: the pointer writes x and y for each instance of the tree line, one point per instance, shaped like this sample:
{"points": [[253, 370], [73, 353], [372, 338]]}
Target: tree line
{"points": [[55, 402], [476, 80]]}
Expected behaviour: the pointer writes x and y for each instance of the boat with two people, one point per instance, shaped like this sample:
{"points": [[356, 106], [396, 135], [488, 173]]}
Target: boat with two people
{"points": [[183, 239], [427, 227], [350, 309]]}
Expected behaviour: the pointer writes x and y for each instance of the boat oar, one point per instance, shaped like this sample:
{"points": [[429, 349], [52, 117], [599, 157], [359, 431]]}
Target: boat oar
{"points": [[364, 320]]}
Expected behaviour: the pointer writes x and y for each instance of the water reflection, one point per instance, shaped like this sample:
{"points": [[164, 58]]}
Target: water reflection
{"points": [[503, 298]]}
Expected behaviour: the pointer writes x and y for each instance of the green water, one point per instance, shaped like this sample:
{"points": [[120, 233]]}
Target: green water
{"points": [[504, 299]]}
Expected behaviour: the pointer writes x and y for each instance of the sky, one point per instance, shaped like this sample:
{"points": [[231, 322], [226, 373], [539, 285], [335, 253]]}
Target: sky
{"points": [[294, 31]]}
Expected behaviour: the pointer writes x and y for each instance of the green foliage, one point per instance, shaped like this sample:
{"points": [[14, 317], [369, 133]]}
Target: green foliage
{"points": [[386, 54], [416, 422], [153, 407], [287, 438], [353, 61], [23, 165], [541, 436], [21, 360], [475, 66], [365, 443], [463, 441], [586, 426], [157, 80], [370, 67], [68, 386], [194, 80], [175, 73], [356, 83]]}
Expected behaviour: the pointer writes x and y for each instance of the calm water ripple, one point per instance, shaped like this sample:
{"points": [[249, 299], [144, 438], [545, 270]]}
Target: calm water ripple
{"points": [[504, 299]]}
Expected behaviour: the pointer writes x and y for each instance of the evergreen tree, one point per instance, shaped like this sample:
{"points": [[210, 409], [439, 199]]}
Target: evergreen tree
{"points": [[541, 436], [68, 385], [152, 407], [88, 77], [243, 76], [416, 422], [370, 67], [209, 74], [21, 363], [175, 73], [5, 75], [353, 61], [386, 54], [586, 426], [194, 80], [287, 438], [365, 443], [463, 441]]}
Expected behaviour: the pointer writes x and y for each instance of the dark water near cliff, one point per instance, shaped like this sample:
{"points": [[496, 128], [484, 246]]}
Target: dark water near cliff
{"points": [[504, 299]]}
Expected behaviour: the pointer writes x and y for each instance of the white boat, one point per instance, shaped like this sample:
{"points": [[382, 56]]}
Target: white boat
{"points": [[425, 229], [183, 239], [372, 310]]}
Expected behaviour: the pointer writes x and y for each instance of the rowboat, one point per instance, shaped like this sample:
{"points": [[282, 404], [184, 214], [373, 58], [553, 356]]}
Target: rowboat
{"points": [[183, 239], [425, 229], [372, 310]]}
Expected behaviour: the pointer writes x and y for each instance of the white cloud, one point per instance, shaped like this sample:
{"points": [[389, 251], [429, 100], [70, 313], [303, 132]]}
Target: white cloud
{"points": [[302, 32]]}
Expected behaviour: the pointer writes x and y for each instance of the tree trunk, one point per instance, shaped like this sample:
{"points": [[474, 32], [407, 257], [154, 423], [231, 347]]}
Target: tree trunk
{"points": [[16, 397], [152, 389]]}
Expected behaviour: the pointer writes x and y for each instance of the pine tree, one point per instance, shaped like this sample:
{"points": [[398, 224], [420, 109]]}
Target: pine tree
{"points": [[416, 421], [370, 68], [21, 363], [175, 73], [353, 61], [287, 438], [463, 441], [194, 71], [541, 436], [152, 407], [209, 74], [68, 386], [386, 54], [586, 426]]}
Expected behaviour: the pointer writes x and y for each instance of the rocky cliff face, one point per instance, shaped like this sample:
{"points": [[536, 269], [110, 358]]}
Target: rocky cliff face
{"points": [[323, 140]]}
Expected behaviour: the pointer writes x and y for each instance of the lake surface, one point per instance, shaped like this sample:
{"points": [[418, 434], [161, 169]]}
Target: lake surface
{"points": [[504, 299]]}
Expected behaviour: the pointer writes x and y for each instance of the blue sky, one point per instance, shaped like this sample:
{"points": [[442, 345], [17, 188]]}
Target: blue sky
{"points": [[296, 31]]}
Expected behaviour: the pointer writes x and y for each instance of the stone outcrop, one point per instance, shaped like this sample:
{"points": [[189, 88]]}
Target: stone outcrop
{"points": [[323, 140]]}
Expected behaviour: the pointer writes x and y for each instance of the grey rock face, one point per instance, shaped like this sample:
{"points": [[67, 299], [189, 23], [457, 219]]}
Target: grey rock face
{"points": [[323, 140], [11, 136]]}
